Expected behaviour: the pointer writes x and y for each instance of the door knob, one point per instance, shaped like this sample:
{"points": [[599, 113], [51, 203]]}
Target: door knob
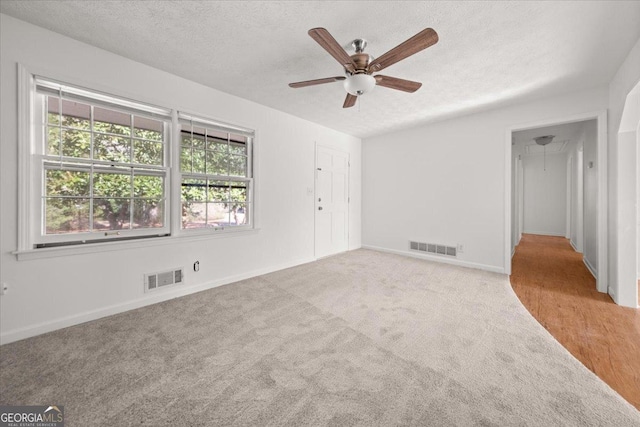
{"points": [[319, 208]]}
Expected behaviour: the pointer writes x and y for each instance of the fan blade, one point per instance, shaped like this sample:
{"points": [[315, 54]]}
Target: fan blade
{"points": [[349, 101], [316, 82], [399, 84], [326, 40], [415, 44]]}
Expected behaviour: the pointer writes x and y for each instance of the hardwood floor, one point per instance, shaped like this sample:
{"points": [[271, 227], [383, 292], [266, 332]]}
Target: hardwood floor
{"points": [[553, 283]]}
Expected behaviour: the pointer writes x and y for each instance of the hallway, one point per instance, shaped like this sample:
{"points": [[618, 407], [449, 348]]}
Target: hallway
{"points": [[552, 282]]}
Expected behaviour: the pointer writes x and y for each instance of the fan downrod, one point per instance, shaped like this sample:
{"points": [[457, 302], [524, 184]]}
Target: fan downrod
{"points": [[359, 45]]}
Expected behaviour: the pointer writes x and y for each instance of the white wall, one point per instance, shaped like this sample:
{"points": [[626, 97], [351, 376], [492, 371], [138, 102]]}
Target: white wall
{"points": [[623, 167], [545, 194], [628, 140], [445, 182], [48, 293], [590, 192]]}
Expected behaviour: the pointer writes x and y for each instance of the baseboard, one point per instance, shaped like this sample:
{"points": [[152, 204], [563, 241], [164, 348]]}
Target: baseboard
{"points": [[64, 322], [590, 267], [513, 252], [436, 258], [572, 245]]}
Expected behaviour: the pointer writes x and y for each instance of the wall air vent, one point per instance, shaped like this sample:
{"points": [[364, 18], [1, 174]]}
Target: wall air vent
{"points": [[433, 248], [164, 279]]}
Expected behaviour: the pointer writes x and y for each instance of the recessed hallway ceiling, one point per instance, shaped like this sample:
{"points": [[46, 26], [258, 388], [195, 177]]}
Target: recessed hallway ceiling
{"points": [[564, 134], [490, 53]]}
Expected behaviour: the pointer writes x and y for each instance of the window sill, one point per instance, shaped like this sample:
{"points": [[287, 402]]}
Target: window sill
{"points": [[31, 254]]}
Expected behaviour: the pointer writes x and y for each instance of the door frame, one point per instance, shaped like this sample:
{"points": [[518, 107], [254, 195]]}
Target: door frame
{"points": [[602, 207], [315, 193], [518, 210], [569, 225]]}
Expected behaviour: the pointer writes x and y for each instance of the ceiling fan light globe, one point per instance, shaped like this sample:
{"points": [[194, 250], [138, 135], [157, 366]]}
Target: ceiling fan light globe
{"points": [[359, 84]]}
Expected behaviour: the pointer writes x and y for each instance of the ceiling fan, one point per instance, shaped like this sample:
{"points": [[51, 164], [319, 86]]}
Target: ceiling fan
{"points": [[359, 66]]}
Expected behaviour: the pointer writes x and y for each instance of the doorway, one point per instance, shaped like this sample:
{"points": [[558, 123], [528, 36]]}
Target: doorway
{"points": [[541, 198], [331, 201]]}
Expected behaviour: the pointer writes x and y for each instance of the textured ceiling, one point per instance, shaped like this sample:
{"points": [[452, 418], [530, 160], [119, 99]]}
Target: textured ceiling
{"points": [[489, 54]]}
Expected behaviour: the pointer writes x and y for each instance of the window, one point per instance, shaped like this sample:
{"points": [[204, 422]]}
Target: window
{"points": [[101, 164], [216, 175], [96, 167]]}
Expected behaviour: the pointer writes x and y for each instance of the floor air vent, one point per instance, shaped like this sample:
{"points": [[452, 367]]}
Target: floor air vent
{"points": [[163, 279], [433, 248]]}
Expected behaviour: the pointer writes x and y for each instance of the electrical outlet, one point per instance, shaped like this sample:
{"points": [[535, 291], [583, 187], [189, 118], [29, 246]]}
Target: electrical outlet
{"points": [[4, 289], [460, 248]]}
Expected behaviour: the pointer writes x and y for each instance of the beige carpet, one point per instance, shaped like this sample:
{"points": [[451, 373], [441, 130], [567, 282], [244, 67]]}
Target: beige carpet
{"points": [[362, 338]]}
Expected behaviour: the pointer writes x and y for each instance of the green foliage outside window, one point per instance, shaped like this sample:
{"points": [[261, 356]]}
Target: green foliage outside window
{"points": [[207, 201], [123, 197]]}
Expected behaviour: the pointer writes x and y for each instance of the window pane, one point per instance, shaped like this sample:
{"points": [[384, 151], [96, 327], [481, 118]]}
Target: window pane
{"points": [[112, 185], [185, 159], [193, 215], [148, 186], [217, 141], [237, 166], [148, 128], [197, 140], [76, 115], [147, 213], [76, 143], [67, 183], [198, 160], [189, 141], [194, 190], [147, 152], [216, 163], [238, 144], [239, 214], [53, 110], [237, 148], [185, 139], [218, 191], [111, 148], [194, 194], [111, 214], [238, 192], [53, 141], [111, 171], [217, 214], [111, 121], [66, 215]]}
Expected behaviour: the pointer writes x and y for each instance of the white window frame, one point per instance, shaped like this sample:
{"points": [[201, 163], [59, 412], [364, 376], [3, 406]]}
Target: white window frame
{"points": [[29, 188], [184, 118], [32, 234]]}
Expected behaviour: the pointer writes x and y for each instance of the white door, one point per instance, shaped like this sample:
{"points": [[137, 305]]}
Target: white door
{"points": [[332, 201]]}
